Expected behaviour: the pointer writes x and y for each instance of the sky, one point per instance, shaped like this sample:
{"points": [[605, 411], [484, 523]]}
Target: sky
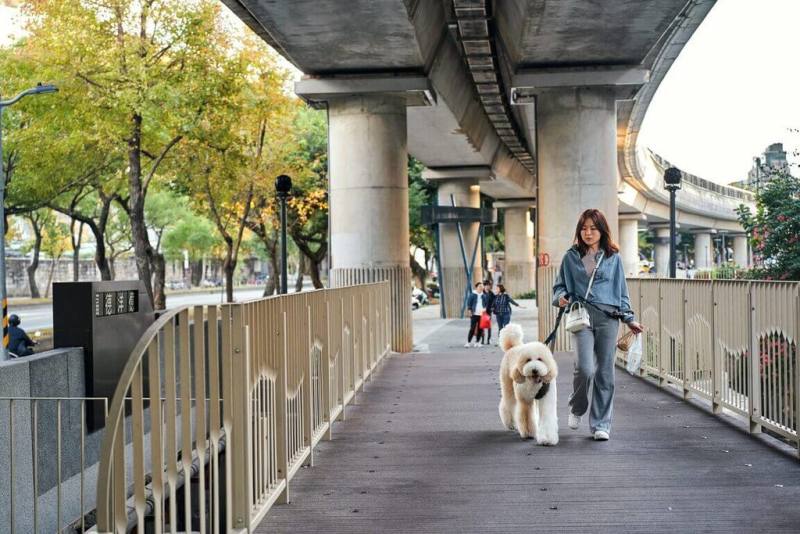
{"points": [[734, 89]]}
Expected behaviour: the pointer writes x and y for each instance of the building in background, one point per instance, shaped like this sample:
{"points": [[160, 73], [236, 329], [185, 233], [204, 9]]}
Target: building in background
{"points": [[771, 162]]}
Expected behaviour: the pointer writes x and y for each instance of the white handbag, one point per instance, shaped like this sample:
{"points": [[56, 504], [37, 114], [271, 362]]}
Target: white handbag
{"points": [[578, 315]]}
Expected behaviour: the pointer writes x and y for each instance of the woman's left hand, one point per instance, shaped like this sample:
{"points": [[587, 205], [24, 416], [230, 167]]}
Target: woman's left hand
{"points": [[635, 327]]}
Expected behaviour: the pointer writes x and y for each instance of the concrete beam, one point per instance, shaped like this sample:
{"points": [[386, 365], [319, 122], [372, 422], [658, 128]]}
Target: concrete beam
{"points": [[417, 90], [526, 84], [458, 173], [515, 203]]}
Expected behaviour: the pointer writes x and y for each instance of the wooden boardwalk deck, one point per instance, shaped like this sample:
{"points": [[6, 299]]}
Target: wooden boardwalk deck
{"points": [[423, 451]]}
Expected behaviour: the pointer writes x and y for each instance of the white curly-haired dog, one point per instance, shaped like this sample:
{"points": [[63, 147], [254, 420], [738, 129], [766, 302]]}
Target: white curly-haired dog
{"points": [[528, 383]]}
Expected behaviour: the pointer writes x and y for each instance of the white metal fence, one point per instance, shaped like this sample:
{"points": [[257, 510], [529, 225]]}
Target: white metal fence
{"points": [[237, 397], [733, 343], [48, 483]]}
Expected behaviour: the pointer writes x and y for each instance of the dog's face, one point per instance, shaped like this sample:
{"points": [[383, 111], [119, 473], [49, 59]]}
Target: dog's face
{"points": [[534, 362]]}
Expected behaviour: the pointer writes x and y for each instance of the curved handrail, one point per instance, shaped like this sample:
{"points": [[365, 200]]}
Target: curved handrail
{"points": [[265, 453], [116, 412]]}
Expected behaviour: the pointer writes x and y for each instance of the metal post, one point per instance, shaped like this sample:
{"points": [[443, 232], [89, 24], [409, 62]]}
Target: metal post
{"points": [[3, 291], [284, 276], [484, 262], [672, 234], [438, 240]]}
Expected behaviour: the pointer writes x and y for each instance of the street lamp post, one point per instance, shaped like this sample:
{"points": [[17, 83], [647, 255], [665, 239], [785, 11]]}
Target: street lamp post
{"points": [[672, 182], [38, 90], [283, 184]]}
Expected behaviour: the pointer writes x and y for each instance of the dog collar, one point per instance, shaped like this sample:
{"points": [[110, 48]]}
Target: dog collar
{"points": [[543, 390]]}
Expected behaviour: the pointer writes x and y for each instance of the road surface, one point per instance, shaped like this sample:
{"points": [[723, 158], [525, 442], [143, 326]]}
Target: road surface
{"points": [[39, 316]]}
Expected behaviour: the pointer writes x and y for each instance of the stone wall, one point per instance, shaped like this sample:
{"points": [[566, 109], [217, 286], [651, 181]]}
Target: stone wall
{"points": [[58, 373]]}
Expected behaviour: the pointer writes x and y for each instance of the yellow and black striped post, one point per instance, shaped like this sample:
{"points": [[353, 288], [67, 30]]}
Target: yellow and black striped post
{"points": [[5, 324]]}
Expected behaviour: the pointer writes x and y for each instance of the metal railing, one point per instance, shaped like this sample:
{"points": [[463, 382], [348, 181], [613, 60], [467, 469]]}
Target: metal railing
{"points": [[731, 342], [49, 453], [244, 393]]}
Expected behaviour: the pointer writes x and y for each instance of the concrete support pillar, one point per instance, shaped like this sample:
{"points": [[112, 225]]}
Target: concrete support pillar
{"points": [[629, 245], [740, 253], [661, 259], [703, 250], [466, 193], [519, 274], [369, 201], [577, 153]]}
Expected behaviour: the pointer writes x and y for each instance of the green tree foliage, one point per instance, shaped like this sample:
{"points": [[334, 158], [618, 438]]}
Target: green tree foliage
{"points": [[420, 193], [194, 234], [240, 147], [140, 77], [307, 217], [774, 229]]}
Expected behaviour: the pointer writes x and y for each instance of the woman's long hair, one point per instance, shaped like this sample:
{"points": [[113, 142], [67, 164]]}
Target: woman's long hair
{"points": [[607, 244]]}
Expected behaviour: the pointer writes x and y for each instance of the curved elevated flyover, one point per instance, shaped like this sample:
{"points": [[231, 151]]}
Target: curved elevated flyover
{"points": [[527, 101]]}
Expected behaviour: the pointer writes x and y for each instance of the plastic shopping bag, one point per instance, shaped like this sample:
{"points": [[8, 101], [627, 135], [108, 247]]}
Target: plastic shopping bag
{"points": [[486, 321], [635, 355]]}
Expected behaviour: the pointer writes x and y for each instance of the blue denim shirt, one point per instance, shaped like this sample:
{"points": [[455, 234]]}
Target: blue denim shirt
{"points": [[609, 287]]}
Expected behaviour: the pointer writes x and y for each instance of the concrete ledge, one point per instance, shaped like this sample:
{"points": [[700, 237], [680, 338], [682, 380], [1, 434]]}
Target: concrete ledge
{"points": [[417, 90]]}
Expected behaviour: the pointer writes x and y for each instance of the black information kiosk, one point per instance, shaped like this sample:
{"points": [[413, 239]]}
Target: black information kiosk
{"points": [[107, 319]]}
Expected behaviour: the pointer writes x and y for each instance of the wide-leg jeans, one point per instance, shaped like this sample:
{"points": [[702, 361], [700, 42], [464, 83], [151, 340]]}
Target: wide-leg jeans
{"points": [[594, 368]]}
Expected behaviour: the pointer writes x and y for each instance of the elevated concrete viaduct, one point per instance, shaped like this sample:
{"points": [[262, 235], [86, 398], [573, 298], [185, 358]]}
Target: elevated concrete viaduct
{"points": [[519, 100]]}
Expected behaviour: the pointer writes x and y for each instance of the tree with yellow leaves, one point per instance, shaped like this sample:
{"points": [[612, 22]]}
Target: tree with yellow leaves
{"points": [[137, 78], [240, 146]]}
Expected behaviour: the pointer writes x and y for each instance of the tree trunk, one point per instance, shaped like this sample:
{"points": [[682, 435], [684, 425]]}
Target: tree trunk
{"points": [[76, 264], [313, 268], [49, 284], [228, 266], [31, 269], [272, 283], [271, 286], [111, 273], [301, 267], [197, 272], [76, 250], [100, 258], [159, 270], [141, 243], [147, 259]]}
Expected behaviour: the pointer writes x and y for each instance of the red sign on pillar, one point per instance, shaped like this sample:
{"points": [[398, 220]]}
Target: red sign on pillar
{"points": [[544, 259]]}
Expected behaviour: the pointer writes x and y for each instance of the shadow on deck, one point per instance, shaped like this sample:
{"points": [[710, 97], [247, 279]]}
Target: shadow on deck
{"points": [[423, 451]]}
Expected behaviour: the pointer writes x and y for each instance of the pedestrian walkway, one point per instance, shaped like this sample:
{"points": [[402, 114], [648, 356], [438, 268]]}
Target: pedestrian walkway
{"points": [[423, 451]]}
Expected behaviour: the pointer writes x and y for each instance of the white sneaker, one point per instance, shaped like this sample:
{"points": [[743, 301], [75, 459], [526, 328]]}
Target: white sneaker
{"points": [[600, 435], [573, 421], [467, 345]]}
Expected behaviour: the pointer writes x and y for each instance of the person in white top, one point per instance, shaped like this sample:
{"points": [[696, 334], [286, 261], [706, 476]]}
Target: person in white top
{"points": [[476, 303]]}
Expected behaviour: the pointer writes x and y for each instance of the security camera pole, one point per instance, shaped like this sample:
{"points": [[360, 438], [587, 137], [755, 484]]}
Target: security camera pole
{"points": [[38, 90], [283, 184], [672, 182]]}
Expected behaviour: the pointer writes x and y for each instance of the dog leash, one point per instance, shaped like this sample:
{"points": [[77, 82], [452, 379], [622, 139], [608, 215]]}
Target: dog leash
{"points": [[550, 340]]}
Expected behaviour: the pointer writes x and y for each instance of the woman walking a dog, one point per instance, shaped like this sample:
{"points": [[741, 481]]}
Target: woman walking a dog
{"points": [[607, 302]]}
